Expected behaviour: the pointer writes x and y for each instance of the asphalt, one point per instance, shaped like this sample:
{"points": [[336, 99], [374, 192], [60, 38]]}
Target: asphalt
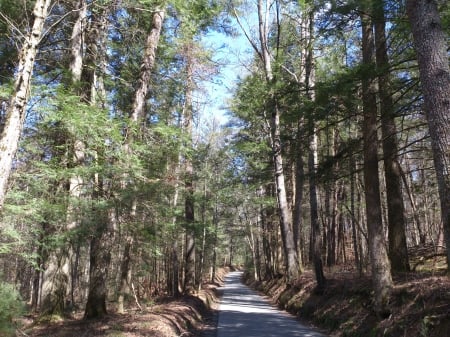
{"points": [[244, 313]]}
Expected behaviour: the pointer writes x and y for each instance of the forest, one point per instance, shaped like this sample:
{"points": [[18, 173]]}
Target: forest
{"points": [[119, 184]]}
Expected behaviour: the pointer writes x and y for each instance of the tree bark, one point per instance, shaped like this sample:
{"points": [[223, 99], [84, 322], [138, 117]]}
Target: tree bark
{"points": [[57, 290], [100, 257], [398, 252], [290, 254], [380, 266], [16, 111], [299, 186], [430, 42], [103, 232], [355, 236], [316, 237], [125, 267], [189, 275], [137, 115], [147, 65]]}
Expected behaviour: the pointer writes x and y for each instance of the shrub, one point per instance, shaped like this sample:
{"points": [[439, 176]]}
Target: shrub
{"points": [[11, 307]]}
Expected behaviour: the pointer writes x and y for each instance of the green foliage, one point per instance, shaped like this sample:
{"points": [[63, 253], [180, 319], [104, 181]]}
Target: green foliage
{"points": [[14, 19], [11, 307], [197, 15], [445, 16]]}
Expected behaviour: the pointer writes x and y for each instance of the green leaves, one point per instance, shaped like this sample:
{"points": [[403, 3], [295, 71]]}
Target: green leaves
{"points": [[11, 307]]}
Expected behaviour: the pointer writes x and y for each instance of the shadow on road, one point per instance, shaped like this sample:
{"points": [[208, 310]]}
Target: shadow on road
{"points": [[244, 313]]}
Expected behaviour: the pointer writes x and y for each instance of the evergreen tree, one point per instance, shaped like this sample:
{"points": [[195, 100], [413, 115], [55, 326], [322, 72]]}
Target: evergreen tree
{"points": [[431, 47]]}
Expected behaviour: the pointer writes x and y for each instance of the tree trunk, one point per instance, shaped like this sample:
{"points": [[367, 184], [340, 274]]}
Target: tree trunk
{"points": [[299, 186], [381, 273], [290, 254], [215, 222], [137, 115], [398, 252], [16, 111], [124, 286], [316, 237], [266, 228], [147, 65], [103, 232], [189, 280], [57, 290], [430, 42], [100, 257], [355, 237], [54, 284]]}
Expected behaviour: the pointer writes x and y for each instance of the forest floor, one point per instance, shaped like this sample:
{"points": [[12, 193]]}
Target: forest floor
{"points": [[420, 302], [420, 307], [187, 316]]}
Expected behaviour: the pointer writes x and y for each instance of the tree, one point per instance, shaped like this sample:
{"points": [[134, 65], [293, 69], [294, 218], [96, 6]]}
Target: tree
{"points": [[432, 56], [16, 111], [381, 273], [59, 274], [290, 252], [138, 116], [398, 252], [102, 231], [316, 237], [189, 204]]}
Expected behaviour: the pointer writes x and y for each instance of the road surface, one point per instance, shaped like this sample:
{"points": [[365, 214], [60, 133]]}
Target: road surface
{"points": [[244, 313]]}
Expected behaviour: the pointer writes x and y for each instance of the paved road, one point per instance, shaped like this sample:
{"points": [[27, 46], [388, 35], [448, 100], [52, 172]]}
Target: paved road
{"points": [[244, 313]]}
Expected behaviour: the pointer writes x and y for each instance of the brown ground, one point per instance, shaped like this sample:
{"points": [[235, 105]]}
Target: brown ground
{"points": [[183, 317], [187, 316], [420, 307], [420, 304]]}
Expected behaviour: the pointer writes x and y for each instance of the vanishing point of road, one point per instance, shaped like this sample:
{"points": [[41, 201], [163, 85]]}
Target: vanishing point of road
{"points": [[244, 313]]}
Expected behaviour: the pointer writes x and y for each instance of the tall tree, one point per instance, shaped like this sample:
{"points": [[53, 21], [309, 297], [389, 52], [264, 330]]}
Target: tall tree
{"points": [[398, 252], [58, 274], [102, 230], [16, 111], [290, 252], [380, 266], [430, 42], [189, 205], [316, 237], [137, 115]]}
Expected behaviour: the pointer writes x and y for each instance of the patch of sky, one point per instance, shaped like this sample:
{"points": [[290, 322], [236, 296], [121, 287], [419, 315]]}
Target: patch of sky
{"points": [[231, 53]]}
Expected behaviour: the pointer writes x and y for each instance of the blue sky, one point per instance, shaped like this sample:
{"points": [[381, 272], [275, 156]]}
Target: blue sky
{"points": [[232, 53]]}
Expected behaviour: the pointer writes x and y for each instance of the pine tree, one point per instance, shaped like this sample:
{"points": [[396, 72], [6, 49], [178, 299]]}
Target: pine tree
{"points": [[431, 48]]}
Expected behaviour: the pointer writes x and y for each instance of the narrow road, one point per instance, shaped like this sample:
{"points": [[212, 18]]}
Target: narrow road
{"points": [[244, 313]]}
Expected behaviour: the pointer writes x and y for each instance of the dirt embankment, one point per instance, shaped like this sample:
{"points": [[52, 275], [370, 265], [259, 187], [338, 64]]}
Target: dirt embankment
{"points": [[420, 304], [187, 316]]}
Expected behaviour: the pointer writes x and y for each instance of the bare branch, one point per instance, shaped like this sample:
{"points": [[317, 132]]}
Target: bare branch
{"points": [[252, 43]]}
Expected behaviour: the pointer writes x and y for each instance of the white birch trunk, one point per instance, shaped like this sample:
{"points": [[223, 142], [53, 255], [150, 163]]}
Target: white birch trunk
{"points": [[15, 115]]}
